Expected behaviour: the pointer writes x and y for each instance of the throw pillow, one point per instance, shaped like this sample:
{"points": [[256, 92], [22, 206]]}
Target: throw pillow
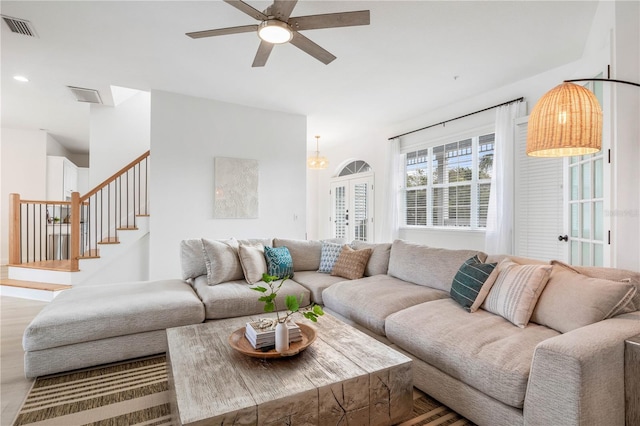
{"points": [[279, 262], [351, 263], [223, 263], [328, 256], [192, 258], [253, 262], [572, 300], [516, 290], [469, 280], [379, 261]]}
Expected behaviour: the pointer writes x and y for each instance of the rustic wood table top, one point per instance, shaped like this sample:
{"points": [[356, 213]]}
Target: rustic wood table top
{"points": [[344, 376]]}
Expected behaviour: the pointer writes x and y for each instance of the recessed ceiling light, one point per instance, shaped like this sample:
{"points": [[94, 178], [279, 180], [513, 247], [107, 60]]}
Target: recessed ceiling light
{"points": [[21, 78]]}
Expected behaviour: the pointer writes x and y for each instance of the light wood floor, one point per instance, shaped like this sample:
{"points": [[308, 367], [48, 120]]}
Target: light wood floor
{"points": [[15, 315]]}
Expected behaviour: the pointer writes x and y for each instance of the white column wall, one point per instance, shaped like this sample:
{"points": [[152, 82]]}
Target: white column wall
{"points": [[187, 133], [118, 135], [23, 165]]}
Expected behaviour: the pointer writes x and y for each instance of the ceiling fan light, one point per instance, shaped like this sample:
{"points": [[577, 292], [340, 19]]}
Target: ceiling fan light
{"points": [[275, 32]]}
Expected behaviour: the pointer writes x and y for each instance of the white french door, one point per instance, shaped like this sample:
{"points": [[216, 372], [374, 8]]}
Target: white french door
{"points": [[352, 208]]}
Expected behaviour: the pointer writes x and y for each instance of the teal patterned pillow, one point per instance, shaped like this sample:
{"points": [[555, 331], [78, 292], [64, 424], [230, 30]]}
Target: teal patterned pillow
{"points": [[328, 256], [279, 262], [469, 280]]}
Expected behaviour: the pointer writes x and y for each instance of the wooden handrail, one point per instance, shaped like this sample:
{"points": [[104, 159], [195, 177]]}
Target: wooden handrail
{"points": [[115, 176], [14, 229], [51, 203]]}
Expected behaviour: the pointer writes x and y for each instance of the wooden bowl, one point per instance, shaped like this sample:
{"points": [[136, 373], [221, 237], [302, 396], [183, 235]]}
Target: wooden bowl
{"points": [[242, 345]]}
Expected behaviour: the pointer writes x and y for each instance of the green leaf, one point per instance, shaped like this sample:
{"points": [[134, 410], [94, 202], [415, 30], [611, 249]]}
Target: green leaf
{"points": [[292, 303], [317, 309], [259, 288], [311, 316], [269, 307], [268, 278]]}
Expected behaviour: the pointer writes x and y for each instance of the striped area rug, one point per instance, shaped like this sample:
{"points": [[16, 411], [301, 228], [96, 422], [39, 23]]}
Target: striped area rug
{"points": [[137, 393]]}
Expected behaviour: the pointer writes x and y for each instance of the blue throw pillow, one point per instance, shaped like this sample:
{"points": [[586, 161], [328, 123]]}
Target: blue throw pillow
{"points": [[469, 280], [328, 256], [279, 262]]}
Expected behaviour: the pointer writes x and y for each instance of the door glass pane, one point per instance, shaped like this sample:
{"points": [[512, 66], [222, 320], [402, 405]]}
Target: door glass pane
{"points": [[598, 255], [575, 182], [360, 218], [598, 178], [340, 213], [575, 253], [575, 220], [586, 254], [586, 180], [598, 221], [586, 221]]}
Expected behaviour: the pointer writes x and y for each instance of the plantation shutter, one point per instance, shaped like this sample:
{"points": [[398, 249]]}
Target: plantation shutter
{"points": [[539, 203]]}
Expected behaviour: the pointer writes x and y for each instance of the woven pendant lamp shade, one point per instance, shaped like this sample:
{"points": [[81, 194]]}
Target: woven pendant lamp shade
{"points": [[566, 121]]}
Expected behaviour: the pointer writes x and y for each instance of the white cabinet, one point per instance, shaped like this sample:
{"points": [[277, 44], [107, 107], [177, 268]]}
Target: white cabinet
{"points": [[62, 178]]}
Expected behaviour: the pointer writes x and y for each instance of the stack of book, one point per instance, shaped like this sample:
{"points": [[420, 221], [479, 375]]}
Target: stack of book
{"points": [[263, 336]]}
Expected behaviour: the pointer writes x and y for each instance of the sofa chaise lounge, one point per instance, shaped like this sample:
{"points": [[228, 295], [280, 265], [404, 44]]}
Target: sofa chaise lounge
{"points": [[479, 363]]}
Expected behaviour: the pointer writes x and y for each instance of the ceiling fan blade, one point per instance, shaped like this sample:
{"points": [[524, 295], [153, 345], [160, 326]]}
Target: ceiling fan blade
{"points": [[330, 20], [281, 9], [264, 50], [243, 7], [223, 31], [303, 43]]}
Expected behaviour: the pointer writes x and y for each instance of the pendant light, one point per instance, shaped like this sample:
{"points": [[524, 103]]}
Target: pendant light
{"points": [[317, 162], [566, 121]]}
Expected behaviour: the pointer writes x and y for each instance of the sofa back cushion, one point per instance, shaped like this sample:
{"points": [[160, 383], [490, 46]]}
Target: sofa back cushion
{"points": [[379, 260], [614, 274], [304, 253], [428, 266], [192, 258], [222, 261], [572, 300]]}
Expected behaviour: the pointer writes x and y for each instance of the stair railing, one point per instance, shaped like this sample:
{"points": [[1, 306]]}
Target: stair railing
{"points": [[71, 230]]}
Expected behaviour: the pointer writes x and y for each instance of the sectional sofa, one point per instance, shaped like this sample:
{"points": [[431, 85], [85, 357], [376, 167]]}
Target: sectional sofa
{"points": [[532, 342]]}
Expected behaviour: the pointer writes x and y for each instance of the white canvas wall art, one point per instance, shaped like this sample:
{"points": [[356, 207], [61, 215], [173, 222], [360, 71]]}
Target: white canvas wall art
{"points": [[236, 188]]}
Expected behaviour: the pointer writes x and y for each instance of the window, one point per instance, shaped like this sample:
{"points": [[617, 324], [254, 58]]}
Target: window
{"points": [[448, 185]]}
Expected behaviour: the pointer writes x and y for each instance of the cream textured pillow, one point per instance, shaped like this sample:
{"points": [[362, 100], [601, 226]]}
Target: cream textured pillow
{"points": [[351, 263], [516, 290], [223, 263], [572, 300], [252, 261]]}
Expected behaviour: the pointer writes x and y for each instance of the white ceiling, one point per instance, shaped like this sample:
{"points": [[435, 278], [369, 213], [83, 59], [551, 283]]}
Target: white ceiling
{"points": [[401, 66]]}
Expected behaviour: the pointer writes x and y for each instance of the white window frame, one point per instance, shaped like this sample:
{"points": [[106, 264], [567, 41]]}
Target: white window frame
{"points": [[474, 135]]}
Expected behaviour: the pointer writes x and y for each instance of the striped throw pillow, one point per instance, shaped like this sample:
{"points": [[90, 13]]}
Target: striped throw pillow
{"points": [[516, 291], [469, 280]]}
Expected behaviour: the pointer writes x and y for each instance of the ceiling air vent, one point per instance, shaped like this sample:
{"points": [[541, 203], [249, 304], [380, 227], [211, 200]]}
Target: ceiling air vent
{"points": [[86, 95], [19, 26]]}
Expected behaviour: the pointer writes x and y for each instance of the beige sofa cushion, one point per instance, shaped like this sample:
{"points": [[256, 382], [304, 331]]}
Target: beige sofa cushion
{"points": [[428, 266], [304, 253], [379, 260], [316, 283], [370, 300], [572, 300], [253, 262], [221, 258], [88, 313], [615, 274], [480, 349], [192, 258], [516, 290], [236, 299]]}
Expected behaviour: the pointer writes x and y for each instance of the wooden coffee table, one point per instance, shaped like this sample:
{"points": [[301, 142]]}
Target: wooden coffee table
{"points": [[344, 377]]}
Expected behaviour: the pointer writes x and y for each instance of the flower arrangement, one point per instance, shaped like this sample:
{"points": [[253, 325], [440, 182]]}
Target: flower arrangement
{"points": [[292, 303]]}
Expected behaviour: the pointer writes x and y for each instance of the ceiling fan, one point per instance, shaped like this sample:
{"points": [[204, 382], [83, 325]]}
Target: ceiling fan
{"points": [[276, 27]]}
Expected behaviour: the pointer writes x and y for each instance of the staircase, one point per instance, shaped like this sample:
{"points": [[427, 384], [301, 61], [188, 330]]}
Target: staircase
{"points": [[100, 228]]}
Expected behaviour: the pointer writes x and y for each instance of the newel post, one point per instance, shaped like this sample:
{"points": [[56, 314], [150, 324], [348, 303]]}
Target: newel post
{"points": [[14, 229], [75, 231]]}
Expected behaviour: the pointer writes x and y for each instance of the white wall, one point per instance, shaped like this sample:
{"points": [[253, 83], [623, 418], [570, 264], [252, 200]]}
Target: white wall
{"points": [[187, 133], [23, 170], [118, 135]]}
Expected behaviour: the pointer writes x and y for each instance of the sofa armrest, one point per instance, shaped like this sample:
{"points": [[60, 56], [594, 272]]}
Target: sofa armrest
{"points": [[577, 378]]}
